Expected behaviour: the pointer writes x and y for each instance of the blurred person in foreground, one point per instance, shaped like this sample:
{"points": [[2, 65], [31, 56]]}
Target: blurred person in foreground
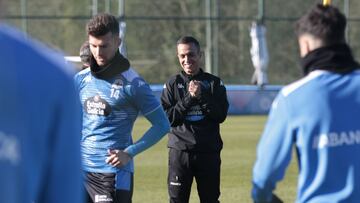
{"points": [[196, 104], [85, 55], [112, 95], [318, 115], [40, 124]]}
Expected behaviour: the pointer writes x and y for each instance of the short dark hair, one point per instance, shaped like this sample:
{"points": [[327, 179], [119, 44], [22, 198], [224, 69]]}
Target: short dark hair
{"points": [[85, 53], [324, 22], [101, 24], [188, 40]]}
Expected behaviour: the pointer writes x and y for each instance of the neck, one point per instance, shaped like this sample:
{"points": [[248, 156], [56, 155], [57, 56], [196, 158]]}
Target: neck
{"points": [[336, 58]]}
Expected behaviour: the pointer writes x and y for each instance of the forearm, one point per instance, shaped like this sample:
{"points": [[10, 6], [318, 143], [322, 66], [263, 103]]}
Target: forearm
{"points": [[215, 106], [176, 113], [273, 152], [215, 111], [160, 126], [261, 194]]}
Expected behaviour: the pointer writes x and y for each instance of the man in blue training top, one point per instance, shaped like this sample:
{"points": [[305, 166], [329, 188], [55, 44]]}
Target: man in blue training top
{"points": [[112, 94], [40, 124], [319, 115]]}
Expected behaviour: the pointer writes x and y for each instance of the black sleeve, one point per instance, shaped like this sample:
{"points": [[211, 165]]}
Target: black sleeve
{"points": [[175, 108], [214, 102]]}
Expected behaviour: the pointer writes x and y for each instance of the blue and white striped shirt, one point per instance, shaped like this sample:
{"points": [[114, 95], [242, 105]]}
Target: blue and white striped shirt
{"points": [[110, 107]]}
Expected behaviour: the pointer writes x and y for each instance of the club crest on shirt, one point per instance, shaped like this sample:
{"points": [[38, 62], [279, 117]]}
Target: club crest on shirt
{"points": [[141, 83], [118, 83], [97, 106]]}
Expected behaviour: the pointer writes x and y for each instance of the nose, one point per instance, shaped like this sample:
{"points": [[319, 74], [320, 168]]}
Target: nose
{"points": [[98, 51], [186, 58]]}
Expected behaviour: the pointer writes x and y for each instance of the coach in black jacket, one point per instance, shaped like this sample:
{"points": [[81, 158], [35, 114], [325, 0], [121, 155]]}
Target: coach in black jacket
{"points": [[196, 104]]}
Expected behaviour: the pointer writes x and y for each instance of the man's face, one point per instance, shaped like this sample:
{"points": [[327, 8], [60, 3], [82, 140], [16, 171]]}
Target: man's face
{"points": [[104, 47], [189, 58]]}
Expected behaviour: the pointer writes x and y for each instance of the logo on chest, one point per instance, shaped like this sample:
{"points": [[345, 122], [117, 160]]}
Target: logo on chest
{"points": [[180, 86], [117, 84], [97, 106]]}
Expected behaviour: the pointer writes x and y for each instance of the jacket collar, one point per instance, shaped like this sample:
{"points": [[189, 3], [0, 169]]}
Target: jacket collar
{"points": [[117, 65], [192, 77]]}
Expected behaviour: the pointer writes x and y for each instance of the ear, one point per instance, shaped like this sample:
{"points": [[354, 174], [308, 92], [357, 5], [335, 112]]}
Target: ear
{"points": [[117, 41], [304, 45]]}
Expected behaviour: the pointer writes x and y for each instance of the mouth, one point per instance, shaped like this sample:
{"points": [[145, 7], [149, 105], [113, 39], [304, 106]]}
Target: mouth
{"points": [[187, 65], [100, 60]]}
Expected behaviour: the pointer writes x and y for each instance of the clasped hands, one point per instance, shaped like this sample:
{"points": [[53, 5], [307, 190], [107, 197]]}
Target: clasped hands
{"points": [[195, 88]]}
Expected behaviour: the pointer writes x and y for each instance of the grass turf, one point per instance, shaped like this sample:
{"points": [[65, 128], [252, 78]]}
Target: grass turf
{"points": [[240, 135]]}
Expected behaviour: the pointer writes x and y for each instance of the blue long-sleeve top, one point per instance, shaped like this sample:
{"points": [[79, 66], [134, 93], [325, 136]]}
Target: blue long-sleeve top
{"points": [[319, 116], [40, 124], [111, 99]]}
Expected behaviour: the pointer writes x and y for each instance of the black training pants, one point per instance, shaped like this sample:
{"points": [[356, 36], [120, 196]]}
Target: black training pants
{"points": [[100, 188], [184, 166]]}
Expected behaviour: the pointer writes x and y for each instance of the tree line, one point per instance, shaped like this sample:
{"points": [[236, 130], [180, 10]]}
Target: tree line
{"points": [[154, 26]]}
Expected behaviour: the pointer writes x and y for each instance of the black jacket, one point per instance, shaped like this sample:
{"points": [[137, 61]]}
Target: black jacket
{"points": [[195, 122]]}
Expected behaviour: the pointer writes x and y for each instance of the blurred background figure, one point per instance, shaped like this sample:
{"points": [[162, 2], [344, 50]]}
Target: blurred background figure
{"points": [[259, 54], [85, 55], [122, 31], [39, 124]]}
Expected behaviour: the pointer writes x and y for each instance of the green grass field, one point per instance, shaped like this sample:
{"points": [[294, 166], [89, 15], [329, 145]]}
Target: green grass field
{"points": [[240, 135]]}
